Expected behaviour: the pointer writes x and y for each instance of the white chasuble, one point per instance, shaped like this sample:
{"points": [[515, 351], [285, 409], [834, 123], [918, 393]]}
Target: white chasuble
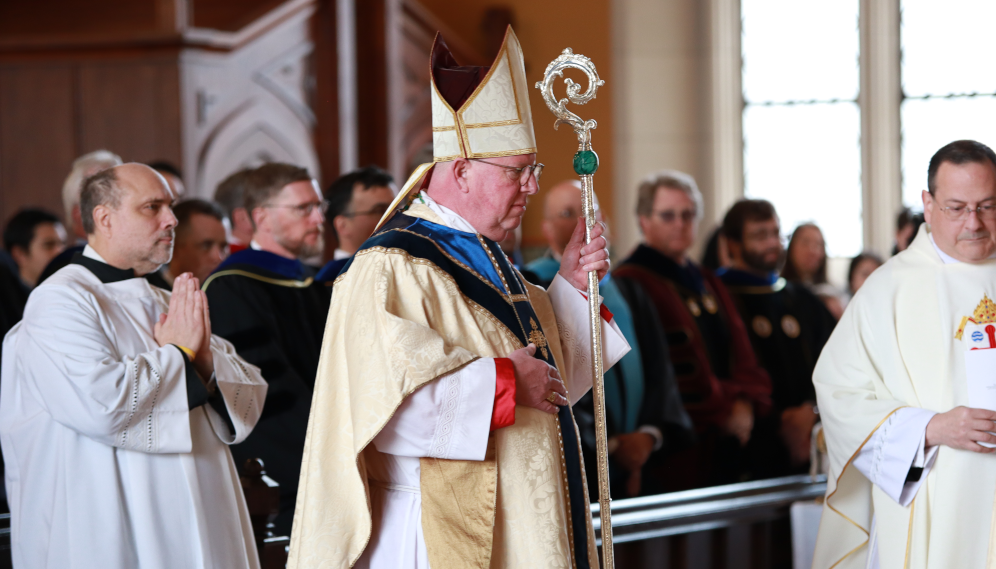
{"points": [[107, 466], [407, 375], [898, 346]]}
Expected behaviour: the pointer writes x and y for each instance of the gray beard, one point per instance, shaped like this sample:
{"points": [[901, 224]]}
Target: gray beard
{"points": [[309, 251]]}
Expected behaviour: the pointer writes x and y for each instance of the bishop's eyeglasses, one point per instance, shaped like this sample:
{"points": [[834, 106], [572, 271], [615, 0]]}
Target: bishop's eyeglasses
{"points": [[958, 212], [524, 172]]}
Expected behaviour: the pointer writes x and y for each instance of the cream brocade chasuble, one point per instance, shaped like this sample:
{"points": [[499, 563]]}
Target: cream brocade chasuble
{"points": [[896, 347], [408, 324]]}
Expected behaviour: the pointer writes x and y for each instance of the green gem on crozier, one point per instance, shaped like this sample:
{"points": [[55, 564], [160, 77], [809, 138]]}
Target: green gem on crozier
{"points": [[585, 162]]}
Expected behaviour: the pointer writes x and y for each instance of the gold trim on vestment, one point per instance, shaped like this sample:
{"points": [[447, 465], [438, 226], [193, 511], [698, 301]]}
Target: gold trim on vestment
{"points": [[836, 487], [456, 118], [510, 122], [420, 171], [909, 535], [504, 153], [364, 479], [290, 283]]}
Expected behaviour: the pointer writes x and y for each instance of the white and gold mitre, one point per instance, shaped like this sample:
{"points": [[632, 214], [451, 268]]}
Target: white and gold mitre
{"points": [[491, 116]]}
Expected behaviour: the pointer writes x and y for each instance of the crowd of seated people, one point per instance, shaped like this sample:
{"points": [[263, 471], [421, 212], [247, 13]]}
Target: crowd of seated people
{"points": [[718, 386]]}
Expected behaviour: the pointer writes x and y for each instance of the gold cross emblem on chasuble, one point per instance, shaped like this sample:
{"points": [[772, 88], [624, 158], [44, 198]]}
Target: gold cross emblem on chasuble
{"points": [[537, 337]]}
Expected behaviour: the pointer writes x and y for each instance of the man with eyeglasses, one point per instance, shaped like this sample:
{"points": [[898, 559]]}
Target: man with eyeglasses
{"points": [[788, 327], [720, 381], [905, 388], [441, 431], [265, 301], [357, 201]]}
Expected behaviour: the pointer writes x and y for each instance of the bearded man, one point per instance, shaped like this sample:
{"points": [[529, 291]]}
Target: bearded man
{"points": [[787, 325], [265, 301], [441, 431], [905, 389]]}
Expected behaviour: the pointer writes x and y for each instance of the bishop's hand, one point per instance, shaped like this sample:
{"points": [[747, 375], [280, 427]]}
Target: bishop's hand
{"points": [[537, 383], [579, 258]]}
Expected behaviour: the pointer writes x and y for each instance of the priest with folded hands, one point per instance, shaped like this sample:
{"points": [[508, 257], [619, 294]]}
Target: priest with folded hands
{"points": [[117, 404]]}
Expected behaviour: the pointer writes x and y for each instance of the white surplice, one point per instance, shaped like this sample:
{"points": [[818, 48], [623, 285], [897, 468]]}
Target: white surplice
{"points": [[451, 418], [106, 465]]}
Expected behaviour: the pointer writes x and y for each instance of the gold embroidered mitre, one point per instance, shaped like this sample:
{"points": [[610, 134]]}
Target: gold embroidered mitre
{"points": [[480, 112]]}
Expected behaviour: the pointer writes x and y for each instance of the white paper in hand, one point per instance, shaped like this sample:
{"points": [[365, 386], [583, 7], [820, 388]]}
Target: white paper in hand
{"points": [[980, 369]]}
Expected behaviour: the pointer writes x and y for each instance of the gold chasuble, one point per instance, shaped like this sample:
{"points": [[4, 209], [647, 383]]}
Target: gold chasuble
{"points": [[899, 345], [418, 301]]}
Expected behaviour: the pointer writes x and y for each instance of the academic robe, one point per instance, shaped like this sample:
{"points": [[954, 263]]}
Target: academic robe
{"points": [[641, 393], [788, 326], [274, 313], [898, 346], [419, 302], [116, 453], [60, 260], [713, 360], [13, 297]]}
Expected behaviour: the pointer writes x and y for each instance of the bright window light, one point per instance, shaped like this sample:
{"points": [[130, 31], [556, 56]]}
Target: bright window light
{"points": [[949, 87], [801, 121]]}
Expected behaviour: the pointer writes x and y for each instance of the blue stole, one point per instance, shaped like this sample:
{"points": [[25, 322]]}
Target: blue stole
{"points": [[485, 276]]}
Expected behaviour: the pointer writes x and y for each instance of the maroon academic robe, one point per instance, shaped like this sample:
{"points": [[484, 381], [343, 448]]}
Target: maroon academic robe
{"points": [[713, 360]]}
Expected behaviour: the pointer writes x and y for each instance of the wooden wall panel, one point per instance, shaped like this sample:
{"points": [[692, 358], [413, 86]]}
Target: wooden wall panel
{"points": [[229, 15], [371, 81], [325, 98], [37, 134], [131, 108], [31, 18]]}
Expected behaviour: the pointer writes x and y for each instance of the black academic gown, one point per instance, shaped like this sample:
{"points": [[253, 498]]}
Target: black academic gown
{"points": [[13, 297], [60, 260], [274, 313], [788, 326]]}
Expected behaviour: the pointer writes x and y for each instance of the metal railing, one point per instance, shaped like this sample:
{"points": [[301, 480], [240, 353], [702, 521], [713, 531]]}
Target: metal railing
{"points": [[670, 515], [677, 513]]}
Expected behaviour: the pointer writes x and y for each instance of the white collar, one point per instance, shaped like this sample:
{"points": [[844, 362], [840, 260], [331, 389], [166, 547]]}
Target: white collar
{"points": [[89, 251], [254, 245], [340, 254], [450, 218]]}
